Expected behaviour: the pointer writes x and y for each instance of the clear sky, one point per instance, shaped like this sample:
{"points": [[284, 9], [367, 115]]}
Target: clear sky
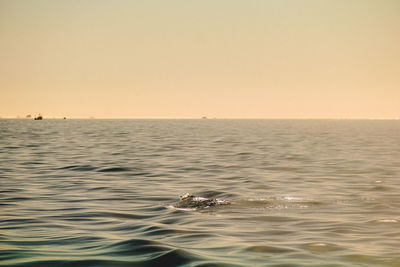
{"points": [[188, 59]]}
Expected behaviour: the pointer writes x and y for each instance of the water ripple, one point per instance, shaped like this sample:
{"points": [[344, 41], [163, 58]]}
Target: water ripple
{"points": [[301, 192]]}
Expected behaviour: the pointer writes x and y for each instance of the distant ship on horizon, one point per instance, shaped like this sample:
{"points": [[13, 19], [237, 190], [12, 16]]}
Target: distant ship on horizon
{"points": [[39, 117]]}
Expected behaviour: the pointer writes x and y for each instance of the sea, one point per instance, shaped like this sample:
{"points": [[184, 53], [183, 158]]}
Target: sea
{"points": [[94, 192]]}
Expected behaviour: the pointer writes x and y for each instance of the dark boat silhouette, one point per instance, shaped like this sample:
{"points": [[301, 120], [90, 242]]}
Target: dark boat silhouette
{"points": [[39, 117]]}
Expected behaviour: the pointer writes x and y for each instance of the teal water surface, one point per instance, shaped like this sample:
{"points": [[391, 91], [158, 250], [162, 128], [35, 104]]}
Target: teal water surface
{"points": [[102, 192]]}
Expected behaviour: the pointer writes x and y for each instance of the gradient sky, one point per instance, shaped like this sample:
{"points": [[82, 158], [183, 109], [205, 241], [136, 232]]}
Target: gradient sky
{"points": [[188, 59]]}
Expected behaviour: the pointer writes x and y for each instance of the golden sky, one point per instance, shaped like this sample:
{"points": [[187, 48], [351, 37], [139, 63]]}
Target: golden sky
{"points": [[188, 59]]}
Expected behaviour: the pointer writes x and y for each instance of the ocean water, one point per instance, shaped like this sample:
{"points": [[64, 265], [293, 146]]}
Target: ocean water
{"points": [[104, 192]]}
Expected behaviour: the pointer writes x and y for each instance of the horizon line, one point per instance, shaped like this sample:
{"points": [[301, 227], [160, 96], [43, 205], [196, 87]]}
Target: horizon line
{"points": [[197, 118]]}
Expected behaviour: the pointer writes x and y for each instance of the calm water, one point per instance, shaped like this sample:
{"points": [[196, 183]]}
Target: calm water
{"points": [[101, 192]]}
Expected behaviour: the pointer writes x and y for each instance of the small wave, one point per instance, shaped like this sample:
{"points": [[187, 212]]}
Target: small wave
{"points": [[78, 168], [287, 202], [168, 231], [76, 263], [14, 200], [144, 174], [12, 147], [183, 209], [176, 257], [98, 188], [213, 194], [114, 169], [321, 247], [269, 249], [149, 253], [33, 163], [268, 218], [385, 221], [125, 215], [379, 188], [137, 247], [93, 216]]}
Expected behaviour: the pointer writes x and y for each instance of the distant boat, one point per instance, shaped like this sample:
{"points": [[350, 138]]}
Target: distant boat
{"points": [[40, 117]]}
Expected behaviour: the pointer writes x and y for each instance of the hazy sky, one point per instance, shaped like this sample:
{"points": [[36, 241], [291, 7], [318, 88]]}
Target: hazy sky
{"points": [[187, 59]]}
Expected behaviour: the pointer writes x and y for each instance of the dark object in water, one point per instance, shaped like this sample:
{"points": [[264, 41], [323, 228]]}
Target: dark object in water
{"points": [[192, 202], [40, 117]]}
